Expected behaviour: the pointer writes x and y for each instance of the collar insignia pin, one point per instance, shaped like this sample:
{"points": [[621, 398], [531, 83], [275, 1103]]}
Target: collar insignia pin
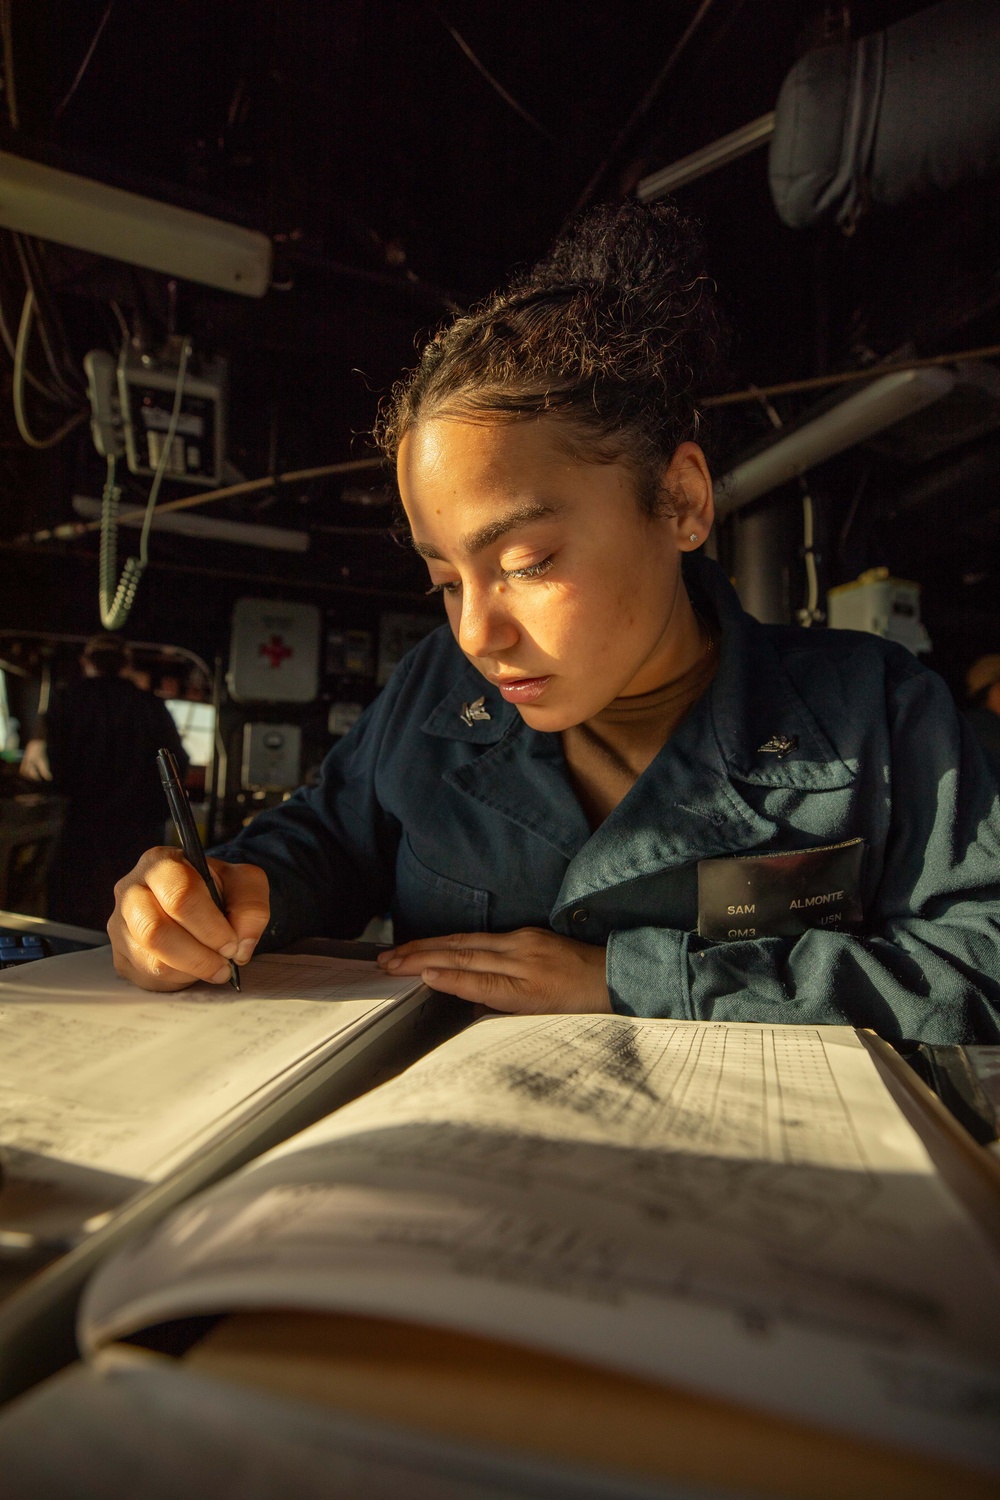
{"points": [[779, 745], [475, 713]]}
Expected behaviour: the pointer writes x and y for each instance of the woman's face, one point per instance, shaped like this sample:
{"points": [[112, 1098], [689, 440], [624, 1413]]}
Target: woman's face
{"points": [[557, 587]]}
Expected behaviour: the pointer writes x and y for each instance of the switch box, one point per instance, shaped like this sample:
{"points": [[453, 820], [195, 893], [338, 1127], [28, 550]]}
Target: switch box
{"points": [[882, 605], [146, 389], [272, 757]]}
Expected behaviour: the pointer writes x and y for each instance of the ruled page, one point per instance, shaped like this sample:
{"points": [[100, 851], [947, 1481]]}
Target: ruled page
{"points": [[99, 1073], [737, 1208]]}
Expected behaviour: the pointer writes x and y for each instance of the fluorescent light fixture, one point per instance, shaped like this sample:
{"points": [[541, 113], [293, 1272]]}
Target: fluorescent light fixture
{"points": [[208, 528], [707, 159], [72, 210], [861, 416]]}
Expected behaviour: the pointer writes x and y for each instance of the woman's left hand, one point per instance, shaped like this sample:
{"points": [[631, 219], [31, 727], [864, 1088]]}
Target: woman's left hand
{"points": [[528, 972]]}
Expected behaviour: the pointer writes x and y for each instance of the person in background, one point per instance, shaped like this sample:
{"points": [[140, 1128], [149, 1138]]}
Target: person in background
{"points": [[35, 758], [982, 682], [103, 733]]}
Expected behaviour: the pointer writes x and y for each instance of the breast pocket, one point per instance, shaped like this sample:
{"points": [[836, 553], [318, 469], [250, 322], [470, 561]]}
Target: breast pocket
{"points": [[429, 904]]}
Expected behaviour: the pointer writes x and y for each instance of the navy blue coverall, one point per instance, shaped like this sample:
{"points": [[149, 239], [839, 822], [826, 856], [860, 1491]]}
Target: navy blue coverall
{"points": [[465, 827]]}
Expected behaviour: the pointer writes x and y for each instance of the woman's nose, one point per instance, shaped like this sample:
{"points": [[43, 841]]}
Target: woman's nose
{"points": [[485, 627]]}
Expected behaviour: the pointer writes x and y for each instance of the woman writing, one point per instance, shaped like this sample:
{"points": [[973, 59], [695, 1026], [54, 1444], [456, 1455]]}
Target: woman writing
{"points": [[548, 783]]}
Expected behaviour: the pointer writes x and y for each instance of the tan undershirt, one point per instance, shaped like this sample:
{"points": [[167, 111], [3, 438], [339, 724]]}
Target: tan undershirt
{"points": [[607, 754]]}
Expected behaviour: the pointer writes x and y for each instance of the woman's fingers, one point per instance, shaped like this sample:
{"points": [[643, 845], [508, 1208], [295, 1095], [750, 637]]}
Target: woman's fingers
{"points": [[154, 933], [458, 944], [498, 991], [246, 893], [531, 971], [138, 953], [465, 960], [187, 901], [487, 968], [166, 931]]}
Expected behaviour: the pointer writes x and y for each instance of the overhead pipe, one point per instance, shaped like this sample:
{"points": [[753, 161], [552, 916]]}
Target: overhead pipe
{"points": [[707, 159], [209, 528], [887, 400]]}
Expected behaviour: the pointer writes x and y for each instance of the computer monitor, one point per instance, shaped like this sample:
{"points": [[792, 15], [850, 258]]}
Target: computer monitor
{"points": [[196, 727]]}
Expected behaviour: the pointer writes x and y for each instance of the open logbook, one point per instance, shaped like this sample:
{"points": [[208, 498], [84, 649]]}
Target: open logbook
{"points": [[107, 1087], [737, 1210]]}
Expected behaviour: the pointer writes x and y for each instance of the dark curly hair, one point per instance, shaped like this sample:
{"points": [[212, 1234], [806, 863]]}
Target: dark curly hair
{"points": [[614, 332]]}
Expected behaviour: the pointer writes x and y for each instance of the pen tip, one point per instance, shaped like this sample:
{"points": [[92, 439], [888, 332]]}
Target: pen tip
{"points": [[234, 976]]}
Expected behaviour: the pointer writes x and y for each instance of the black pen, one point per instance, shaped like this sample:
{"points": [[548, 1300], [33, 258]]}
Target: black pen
{"points": [[180, 811]]}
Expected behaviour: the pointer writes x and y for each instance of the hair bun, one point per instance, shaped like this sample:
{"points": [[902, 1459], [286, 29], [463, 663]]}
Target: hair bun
{"points": [[615, 332], [623, 248], [646, 313]]}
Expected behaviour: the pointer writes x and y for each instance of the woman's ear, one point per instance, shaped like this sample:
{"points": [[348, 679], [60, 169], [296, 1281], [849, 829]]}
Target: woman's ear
{"points": [[688, 482]]}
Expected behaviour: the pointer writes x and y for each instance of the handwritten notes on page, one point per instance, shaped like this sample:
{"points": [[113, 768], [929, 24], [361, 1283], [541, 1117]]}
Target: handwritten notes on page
{"points": [[99, 1073], [741, 1209]]}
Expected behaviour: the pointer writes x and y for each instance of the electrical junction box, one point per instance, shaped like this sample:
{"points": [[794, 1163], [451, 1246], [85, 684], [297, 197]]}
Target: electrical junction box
{"points": [[398, 634], [272, 757], [147, 385], [882, 605], [274, 652], [342, 718], [349, 653]]}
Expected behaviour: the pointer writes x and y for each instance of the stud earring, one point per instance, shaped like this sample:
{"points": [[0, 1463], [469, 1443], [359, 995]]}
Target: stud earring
{"points": [[693, 537]]}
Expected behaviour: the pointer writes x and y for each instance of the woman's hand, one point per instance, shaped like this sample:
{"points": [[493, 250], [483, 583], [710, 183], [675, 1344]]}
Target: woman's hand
{"points": [[166, 931], [528, 972]]}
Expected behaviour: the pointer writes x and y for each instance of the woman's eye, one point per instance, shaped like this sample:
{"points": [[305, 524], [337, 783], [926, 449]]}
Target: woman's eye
{"points": [[534, 571]]}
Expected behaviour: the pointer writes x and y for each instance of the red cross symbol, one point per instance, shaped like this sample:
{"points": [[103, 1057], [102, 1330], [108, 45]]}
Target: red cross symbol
{"points": [[276, 651]]}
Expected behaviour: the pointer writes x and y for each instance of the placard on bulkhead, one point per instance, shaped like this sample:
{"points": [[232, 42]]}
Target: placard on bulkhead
{"points": [[274, 652]]}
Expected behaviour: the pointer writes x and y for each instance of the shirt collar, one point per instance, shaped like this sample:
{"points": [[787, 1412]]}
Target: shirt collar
{"points": [[446, 720], [752, 703], [766, 733]]}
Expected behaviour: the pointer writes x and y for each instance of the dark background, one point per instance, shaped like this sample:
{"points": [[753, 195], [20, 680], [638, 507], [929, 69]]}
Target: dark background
{"points": [[400, 183]]}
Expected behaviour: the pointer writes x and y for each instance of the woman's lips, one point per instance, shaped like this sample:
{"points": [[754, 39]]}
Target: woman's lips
{"points": [[523, 689]]}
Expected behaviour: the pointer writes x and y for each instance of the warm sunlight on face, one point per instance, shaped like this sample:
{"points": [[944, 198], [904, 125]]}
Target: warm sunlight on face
{"points": [[558, 589]]}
